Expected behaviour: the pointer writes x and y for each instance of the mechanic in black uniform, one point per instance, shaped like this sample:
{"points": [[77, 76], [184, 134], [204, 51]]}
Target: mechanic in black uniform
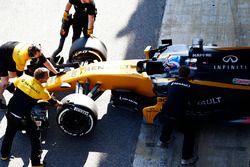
{"points": [[179, 94], [83, 21], [27, 91], [13, 58]]}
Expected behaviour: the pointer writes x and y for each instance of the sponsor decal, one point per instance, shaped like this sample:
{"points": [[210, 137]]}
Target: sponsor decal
{"points": [[181, 84], [129, 100], [105, 67], [230, 67], [202, 55], [210, 101], [81, 111], [241, 81], [230, 59], [80, 52], [94, 68], [30, 85]]}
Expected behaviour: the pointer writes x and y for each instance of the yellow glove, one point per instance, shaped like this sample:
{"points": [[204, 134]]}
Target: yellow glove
{"points": [[90, 31], [65, 16]]}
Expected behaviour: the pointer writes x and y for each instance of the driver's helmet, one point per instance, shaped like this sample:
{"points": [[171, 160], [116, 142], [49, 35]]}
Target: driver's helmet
{"points": [[172, 62]]}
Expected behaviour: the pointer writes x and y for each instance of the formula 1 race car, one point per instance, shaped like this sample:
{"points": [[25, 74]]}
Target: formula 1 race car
{"points": [[221, 77]]}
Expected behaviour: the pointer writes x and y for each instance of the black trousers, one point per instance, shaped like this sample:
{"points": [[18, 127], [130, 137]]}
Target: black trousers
{"points": [[6, 61], [187, 127], [59, 48], [80, 24], [13, 125]]}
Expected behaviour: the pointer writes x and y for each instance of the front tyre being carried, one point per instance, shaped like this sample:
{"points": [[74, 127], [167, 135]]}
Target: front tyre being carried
{"points": [[79, 116], [87, 49]]}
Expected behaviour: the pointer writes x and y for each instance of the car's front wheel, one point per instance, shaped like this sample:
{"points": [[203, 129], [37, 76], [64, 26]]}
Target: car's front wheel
{"points": [[78, 117]]}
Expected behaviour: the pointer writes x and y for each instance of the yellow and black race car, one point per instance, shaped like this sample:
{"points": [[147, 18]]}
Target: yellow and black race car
{"points": [[221, 77]]}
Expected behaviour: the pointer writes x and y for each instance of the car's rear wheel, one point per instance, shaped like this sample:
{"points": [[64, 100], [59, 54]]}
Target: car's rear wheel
{"points": [[87, 50], [78, 117]]}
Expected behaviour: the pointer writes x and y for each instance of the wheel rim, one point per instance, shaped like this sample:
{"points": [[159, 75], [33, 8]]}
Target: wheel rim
{"points": [[75, 123]]}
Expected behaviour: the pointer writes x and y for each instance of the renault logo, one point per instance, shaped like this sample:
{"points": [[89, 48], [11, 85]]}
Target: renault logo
{"points": [[230, 58]]}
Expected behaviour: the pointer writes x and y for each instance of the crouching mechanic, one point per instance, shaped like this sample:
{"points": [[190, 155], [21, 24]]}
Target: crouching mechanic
{"points": [[180, 93], [13, 58], [27, 91]]}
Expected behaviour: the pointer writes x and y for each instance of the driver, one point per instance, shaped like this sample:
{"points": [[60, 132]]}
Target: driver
{"points": [[172, 63], [13, 58]]}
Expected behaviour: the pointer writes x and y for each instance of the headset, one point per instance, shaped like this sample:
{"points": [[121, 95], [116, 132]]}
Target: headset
{"points": [[33, 49]]}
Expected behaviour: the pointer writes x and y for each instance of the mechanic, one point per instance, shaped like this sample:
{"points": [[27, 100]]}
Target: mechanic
{"points": [[26, 90], [179, 93], [13, 58], [83, 21]]}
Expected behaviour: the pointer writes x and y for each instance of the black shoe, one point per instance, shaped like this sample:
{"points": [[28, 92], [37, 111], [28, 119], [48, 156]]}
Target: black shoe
{"points": [[5, 158], [162, 144], [43, 164], [189, 161], [40, 165], [166, 143]]}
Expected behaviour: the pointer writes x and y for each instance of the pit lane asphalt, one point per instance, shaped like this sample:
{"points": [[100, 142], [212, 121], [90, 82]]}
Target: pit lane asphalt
{"points": [[223, 22]]}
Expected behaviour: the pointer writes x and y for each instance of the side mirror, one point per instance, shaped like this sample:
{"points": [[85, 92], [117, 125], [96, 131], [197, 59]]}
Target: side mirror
{"points": [[147, 52]]}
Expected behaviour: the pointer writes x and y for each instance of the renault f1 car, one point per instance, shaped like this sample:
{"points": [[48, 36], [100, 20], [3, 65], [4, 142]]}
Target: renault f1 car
{"points": [[221, 76]]}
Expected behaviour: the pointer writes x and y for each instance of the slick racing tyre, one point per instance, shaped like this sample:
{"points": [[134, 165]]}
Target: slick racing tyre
{"points": [[87, 50], [78, 115]]}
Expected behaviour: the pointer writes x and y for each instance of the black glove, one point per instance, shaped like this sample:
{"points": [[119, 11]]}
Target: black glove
{"points": [[11, 87]]}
